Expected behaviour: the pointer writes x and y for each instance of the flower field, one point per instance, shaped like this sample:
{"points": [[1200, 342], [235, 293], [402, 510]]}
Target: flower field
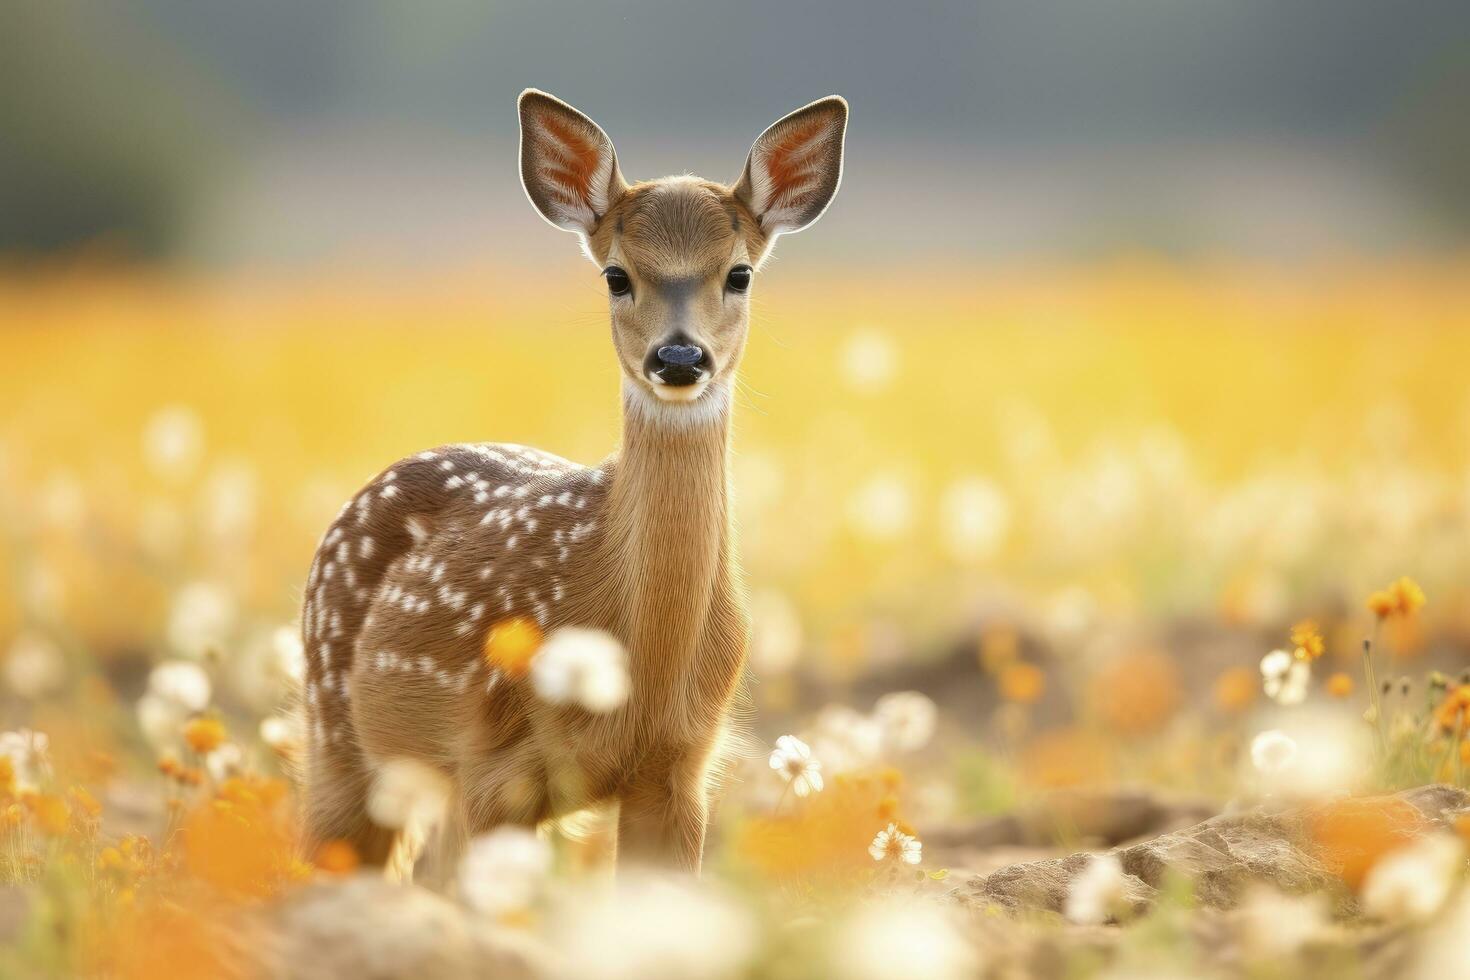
{"points": [[1107, 620]]}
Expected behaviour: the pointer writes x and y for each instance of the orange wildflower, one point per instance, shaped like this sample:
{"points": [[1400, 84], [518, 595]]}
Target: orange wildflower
{"points": [[1352, 834], [1021, 683], [337, 857], [510, 644], [1402, 598], [1235, 689], [1065, 757], [84, 802], [1453, 714], [1307, 639], [1340, 685], [204, 735], [1137, 694], [52, 816]]}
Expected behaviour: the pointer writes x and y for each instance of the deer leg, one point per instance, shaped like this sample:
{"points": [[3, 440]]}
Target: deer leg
{"points": [[337, 786], [437, 865], [662, 818]]}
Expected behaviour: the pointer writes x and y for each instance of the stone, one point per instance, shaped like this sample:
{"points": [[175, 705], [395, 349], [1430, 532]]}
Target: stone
{"points": [[368, 928], [1221, 856]]}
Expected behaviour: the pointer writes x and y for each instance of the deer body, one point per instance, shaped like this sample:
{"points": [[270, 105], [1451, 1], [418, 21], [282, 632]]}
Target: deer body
{"points": [[441, 547]]}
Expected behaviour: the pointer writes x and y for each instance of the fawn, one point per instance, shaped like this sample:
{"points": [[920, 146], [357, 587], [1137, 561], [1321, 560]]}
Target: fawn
{"points": [[441, 547]]}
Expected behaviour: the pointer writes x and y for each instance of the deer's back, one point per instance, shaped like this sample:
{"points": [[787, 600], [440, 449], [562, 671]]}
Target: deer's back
{"points": [[414, 572]]}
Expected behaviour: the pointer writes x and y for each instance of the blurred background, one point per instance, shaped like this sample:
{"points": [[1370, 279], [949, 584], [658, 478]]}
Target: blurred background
{"points": [[290, 135], [1137, 333]]}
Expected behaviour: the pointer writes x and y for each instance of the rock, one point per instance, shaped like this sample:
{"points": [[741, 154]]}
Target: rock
{"points": [[1222, 856], [1108, 817], [368, 928], [1439, 803], [1041, 886]]}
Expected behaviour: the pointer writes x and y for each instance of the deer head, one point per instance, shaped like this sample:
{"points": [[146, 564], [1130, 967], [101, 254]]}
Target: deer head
{"points": [[679, 254]]}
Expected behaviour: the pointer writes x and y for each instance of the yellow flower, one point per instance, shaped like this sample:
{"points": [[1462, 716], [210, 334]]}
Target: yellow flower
{"points": [[1340, 685], [1307, 639], [204, 735], [1402, 598], [510, 644]]}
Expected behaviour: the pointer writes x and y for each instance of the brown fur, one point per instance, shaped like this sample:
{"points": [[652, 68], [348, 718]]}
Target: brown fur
{"points": [[442, 546]]}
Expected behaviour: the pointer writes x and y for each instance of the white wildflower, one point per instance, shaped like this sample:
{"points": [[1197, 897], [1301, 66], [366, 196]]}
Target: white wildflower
{"points": [[28, 752], [504, 870], [775, 635], [200, 620], [62, 504], [1318, 751], [1412, 882], [1285, 678], [1272, 751], [654, 928], [225, 761], [230, 498], [181, 683], [882, 509], [793, 760], [160, 719], [868, 360], [1274, 925], [588, 667], [34, 667], [846, 738], [1443, 952], [977, 517], [173, 441], [288, 654], [902, 937], [280, 732], [407, 793], [907, 719], [1098, 892], [892, 844]]}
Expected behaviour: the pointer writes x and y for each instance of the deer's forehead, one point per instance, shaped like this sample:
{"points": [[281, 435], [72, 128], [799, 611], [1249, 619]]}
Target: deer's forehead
{"points": [[678, 229]]}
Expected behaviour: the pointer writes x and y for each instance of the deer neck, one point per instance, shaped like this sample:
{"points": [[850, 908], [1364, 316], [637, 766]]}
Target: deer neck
{"points": [[667, 523]]}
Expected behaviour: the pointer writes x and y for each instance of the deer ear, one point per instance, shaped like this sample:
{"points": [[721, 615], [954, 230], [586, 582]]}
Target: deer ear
{"points": [[568, 166], [794, 168]]}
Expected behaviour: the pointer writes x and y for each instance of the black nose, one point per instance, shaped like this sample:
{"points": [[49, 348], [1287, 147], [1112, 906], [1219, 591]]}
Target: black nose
{"points": [[681, 355], [678, 364]]}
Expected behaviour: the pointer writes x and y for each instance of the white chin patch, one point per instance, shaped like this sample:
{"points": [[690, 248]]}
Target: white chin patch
{"points": [[680, 393]]}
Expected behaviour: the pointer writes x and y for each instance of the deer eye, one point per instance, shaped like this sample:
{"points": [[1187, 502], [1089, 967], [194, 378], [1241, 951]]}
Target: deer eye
{"points": [[739, 279], [618, 282]]}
